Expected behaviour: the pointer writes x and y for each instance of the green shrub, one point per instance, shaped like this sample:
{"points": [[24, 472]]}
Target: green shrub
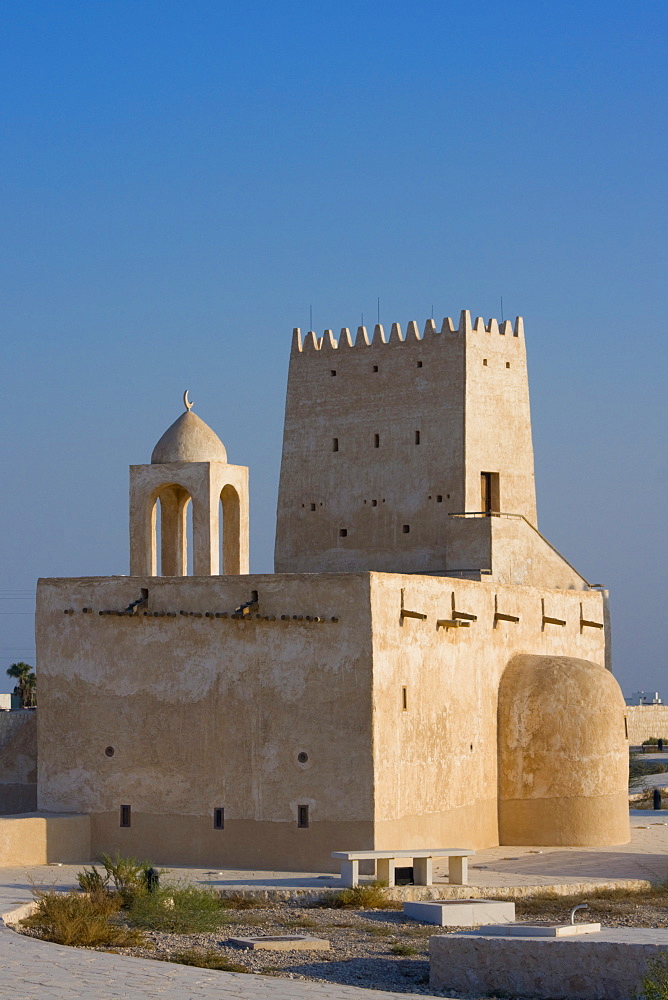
{"points": [[238, 902], [129, 876], [177, 909], [403, 949], [655, 982], [82, 921], [360, 897], [202, 959], [92, 881]]}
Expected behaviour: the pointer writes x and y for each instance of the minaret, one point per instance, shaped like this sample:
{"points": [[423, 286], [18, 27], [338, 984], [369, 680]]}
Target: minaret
{"points": [[188, 465]]}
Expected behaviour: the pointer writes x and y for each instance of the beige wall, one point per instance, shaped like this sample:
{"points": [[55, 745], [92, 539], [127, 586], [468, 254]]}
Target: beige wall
{"points": [[43, 840], [563, 758], [436, 762], [645, 721], [18, 761], [208, 713], [471, 418]]}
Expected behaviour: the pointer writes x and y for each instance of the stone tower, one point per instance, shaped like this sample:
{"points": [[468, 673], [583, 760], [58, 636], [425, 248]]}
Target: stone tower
{"points": [[385, 438]]}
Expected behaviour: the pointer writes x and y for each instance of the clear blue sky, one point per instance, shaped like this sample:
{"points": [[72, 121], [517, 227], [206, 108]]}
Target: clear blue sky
{"points": [[180, 181]]}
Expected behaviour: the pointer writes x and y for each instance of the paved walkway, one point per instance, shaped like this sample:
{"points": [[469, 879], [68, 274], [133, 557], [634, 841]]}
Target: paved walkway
{"points": [[36, 970]]}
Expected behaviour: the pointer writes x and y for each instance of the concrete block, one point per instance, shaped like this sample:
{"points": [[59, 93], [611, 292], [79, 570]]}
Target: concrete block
{"points": [[541, 930], [461, 912], [606, 965], [282, 942]]}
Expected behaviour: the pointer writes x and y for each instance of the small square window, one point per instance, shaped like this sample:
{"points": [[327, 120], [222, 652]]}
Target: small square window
{"points": [[406, 528], [302, 817], [312, 506], [439, 498], [374, 503], [343, 532], [376, 440], [375, 368], [419, 364], [332, 371], [219, 819], [507, 364], [335, 444], [125, 815], [484, 361]]}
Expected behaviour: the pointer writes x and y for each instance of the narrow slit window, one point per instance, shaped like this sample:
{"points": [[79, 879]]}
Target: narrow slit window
{"points": [[219, 819], [404, 699], [417, 437], [376, 440], [302, 817], [335, 444], [126, 815]]}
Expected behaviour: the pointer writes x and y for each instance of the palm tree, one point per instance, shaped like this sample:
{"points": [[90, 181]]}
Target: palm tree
{"points": [[26, 683]]}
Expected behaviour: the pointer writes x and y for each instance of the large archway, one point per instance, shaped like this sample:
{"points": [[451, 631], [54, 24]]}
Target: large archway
{"points": [[169, 513]]}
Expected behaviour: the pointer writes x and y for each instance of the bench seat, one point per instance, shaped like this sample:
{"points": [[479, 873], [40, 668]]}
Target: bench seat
{"points": [[422, 859]]}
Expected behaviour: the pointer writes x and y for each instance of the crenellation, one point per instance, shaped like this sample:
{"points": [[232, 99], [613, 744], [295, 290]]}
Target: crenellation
{"points": [[310, 340]]}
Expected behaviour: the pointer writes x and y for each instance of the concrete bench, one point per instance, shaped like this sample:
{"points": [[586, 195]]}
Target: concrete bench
{"points": [[386, 862]]}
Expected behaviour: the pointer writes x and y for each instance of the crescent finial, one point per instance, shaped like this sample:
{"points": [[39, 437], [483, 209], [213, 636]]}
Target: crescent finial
{"points": [[186, 402]]}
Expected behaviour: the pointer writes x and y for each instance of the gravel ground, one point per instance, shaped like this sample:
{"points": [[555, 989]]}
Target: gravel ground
{"points": [[376, 949]]}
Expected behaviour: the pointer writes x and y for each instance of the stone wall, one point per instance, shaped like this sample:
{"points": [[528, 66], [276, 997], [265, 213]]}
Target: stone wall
{"points": [[18, 761], [645, 721]]}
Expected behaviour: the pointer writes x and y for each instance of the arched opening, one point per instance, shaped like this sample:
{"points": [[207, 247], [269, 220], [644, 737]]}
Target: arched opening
{"points": [[230, 531], [169, 515]]}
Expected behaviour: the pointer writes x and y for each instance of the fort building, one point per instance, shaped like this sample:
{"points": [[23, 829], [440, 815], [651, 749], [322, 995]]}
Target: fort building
{"points": [[423, 668]]}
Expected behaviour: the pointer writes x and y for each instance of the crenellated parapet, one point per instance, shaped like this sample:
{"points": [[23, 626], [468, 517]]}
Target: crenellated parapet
{"points": [[310, 341]]}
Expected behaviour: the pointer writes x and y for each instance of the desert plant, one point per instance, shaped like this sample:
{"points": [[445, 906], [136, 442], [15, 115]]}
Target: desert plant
{"points": [[403, 949], [128, 875], [177, 909], [92, 881], [81, 921], [655, 981], [360, 897], [206, 959], [235, 901]]}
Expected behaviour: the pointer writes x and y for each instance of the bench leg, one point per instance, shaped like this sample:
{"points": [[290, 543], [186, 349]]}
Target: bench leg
{"points": [[423, 871], [385, 870], [350, 873], [458, 871]]}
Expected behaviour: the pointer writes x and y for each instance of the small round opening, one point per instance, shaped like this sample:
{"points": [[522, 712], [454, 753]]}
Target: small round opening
{"points": [[109, 751], [302, 757]]}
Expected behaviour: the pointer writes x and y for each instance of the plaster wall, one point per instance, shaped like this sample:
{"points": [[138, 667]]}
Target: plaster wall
{"points": [[18, 761], [41, 840], [382, 440], [645, 721], [436, 761], [205, 713]]}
